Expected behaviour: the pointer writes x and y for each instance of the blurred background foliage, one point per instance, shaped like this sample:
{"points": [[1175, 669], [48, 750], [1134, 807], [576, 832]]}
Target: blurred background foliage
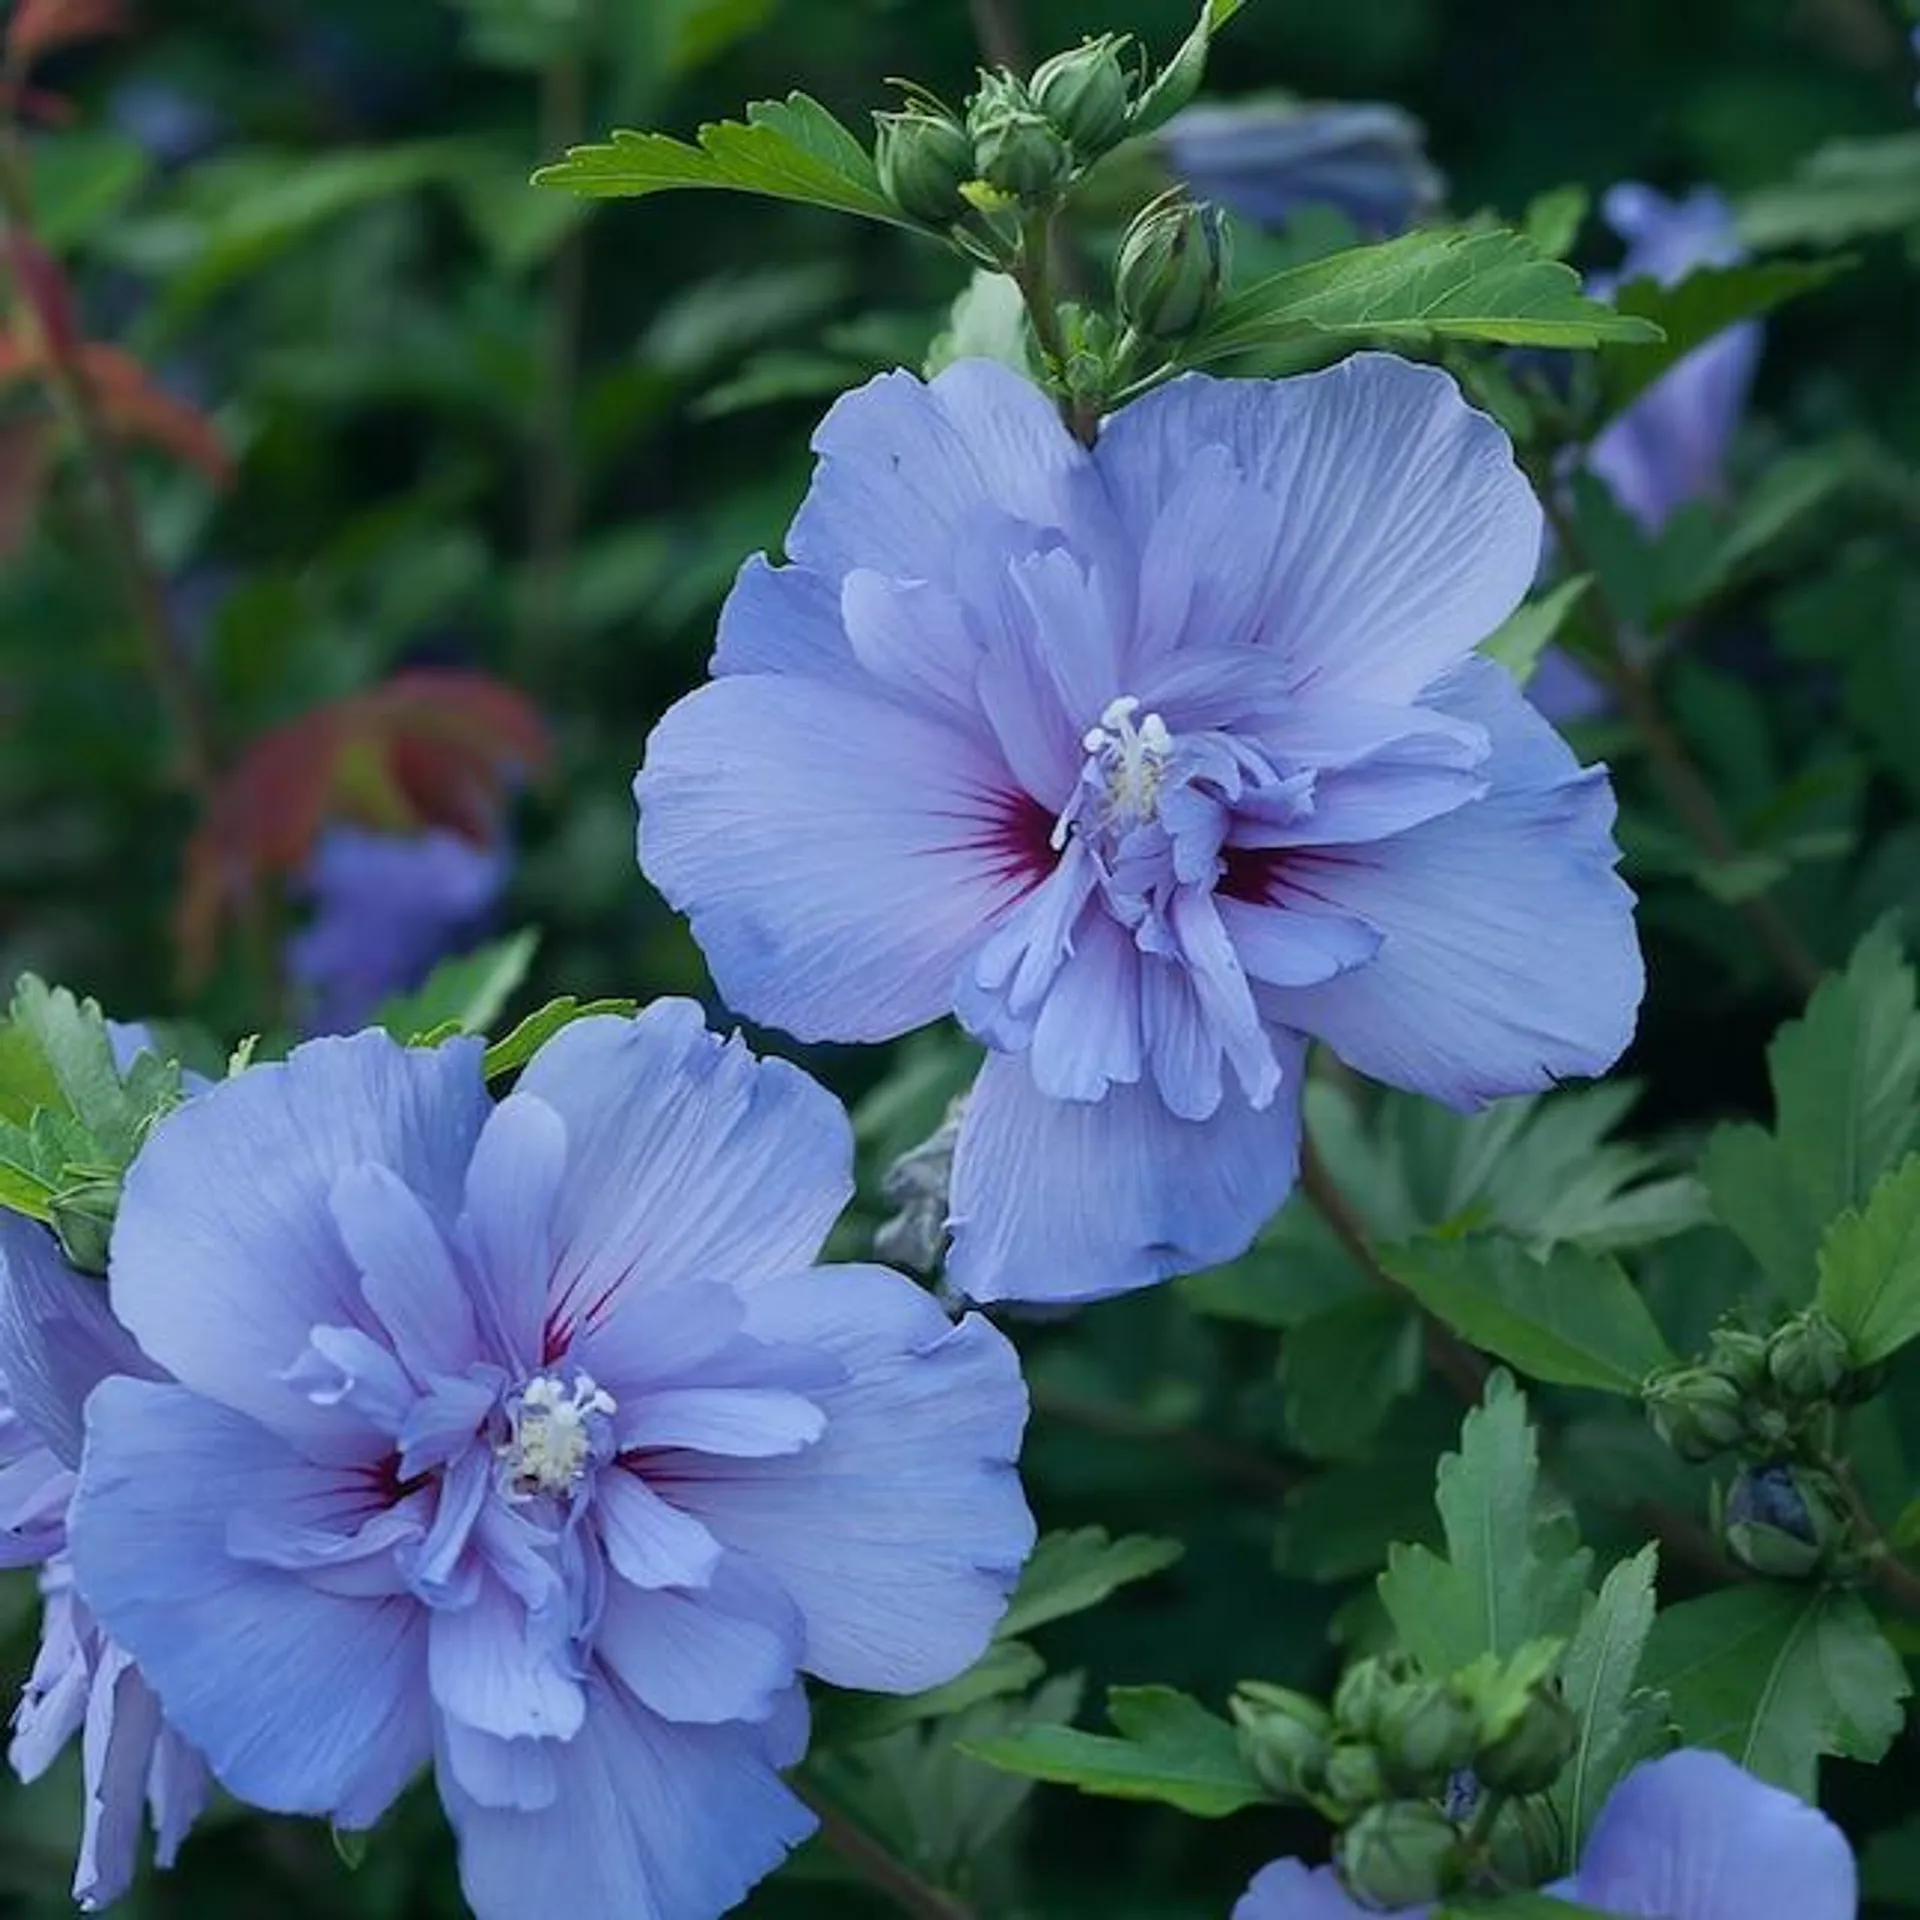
{"points": [[396, 410]]}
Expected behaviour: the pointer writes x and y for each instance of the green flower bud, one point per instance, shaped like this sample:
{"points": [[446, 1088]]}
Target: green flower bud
{"points": [[1360, 1701], [1086, 94], [1284, 1736], [924, 159], [1403, 1854], [1426, 1732], [1808, 1358], [1015, 146], [1173, 267], [1740, 1355], [1789, 1523], [1354, 1779], [1527, 1843], [1697, 1411], [1529, 1757]]}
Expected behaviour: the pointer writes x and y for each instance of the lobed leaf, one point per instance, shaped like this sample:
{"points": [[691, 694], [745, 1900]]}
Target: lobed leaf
{"points": [[1070, 1572], [1180, 79], [1869, 1268], [463, 995]]}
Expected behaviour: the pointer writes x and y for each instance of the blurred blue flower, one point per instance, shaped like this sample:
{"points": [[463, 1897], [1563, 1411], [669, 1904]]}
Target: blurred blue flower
{"points": [[385, 909], [58, 1340], [1148, 762], [166, 120], [1688, 1837], [523, 1440], [1264, 159]]}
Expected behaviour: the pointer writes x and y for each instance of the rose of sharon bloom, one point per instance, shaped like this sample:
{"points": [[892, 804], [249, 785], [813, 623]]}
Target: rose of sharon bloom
{"points": [[1688, 1837], [386, 908], [1670, 447], [1264, 159], [524, 1440], [58, 1340], [1148, 762]]}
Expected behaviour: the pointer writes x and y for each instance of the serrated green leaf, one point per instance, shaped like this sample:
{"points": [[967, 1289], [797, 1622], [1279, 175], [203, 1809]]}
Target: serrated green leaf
{"points": [[1180, 79], [1845, 1076], [1554, 218], [1007, 1666], [1431, 285], [72, 1037], [1620, 1725], [1070, 1572], [1172, 1750], [1513, 1571], [1343, 1370], [1574, 1319], [791, 149], [1693, 310], [1847, 189], [1870, 1267], [513, 1050], [462, 995], [1527, 632], [1776, 1676], [27, 1082]]}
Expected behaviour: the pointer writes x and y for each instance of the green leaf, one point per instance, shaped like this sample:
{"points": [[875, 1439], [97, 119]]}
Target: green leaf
{"points": [[1172, 1750], [1691, 311], [1526, 633], [71, 1035], [1180, 79], [1343, 1370], [1513, 1572], [1620, 1725], [27, 1081], [1573, 1319], [1437, 284], [1007, 1666], [1845, 1076], [1777, 1675], [1554, 218], [987, 322], [1870, 1268], [791, 149], [1848, 189], [1070, 1572], [513, 1050], [1517, 1906], [463, 995]]}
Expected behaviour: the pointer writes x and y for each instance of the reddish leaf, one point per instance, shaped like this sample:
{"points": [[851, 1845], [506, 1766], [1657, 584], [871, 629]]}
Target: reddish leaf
{"points": [[41, 26], [430, 748], [138, 409], [24, 444], [48, 298]]}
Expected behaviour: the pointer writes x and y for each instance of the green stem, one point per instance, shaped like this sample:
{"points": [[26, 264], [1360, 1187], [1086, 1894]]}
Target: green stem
{"points": [[1033, 275], [1896, 1580], [875, 1864], [1002, 34]]}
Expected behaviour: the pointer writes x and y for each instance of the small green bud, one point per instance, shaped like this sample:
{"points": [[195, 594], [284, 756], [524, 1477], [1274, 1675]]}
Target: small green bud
{"points": [[1015, 146], [1808, 1358], [1740, 1355], [1530, 1756], [1087, 95], [924, 158], [1789, 1523], [1403, 1854], [1360, 1701], [1697, 1411], [1426, 1732], [1354, 1779], [1527, 1843], [1284, 1736], [1173, 267]]}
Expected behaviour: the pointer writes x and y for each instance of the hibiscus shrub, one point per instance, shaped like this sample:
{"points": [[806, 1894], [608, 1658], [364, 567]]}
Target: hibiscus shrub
{"points": [[1269, 653]]}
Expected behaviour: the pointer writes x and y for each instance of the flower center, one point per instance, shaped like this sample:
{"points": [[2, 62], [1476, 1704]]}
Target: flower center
{"points": [[551, 1438], [1127, 762]]}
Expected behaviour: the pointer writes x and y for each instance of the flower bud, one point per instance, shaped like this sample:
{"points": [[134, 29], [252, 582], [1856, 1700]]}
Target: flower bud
{"points": [[1015, 146], [1426, 1732], [1360, 1700], [83, 1218], [1808, 1358], [1354, 1779], [1403, 1854], [1697, 1411], [1741, 1356], [1086, 94], [924, 158], [1788, 1523], [1526, 1844], [1284, 1736], [1173, 267], [1529, 1757]]}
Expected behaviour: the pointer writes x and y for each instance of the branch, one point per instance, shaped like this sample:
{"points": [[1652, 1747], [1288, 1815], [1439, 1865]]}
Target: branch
{"points": [[1218, 1457], [877, 1866]]}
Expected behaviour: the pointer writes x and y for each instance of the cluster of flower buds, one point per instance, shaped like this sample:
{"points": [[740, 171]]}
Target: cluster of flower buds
{"points": [[1756, 1394], [1020, 142], [1400, 1762]]}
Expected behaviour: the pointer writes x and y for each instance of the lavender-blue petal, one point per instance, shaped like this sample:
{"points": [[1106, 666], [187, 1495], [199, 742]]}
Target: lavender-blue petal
{"points": [[1692, 1836], [1290, 1890], [1062, 1201], [301, 1701]]}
